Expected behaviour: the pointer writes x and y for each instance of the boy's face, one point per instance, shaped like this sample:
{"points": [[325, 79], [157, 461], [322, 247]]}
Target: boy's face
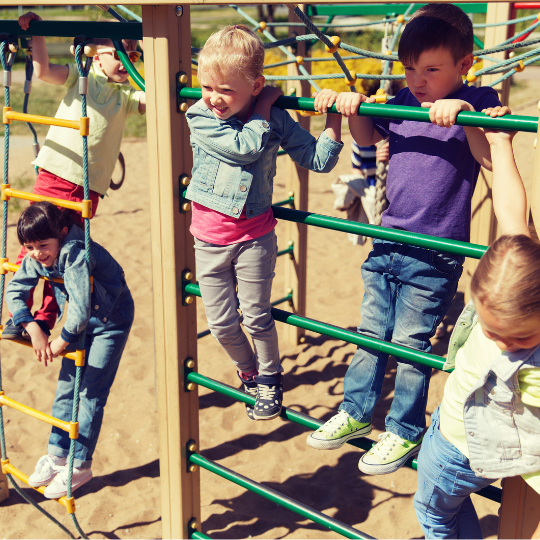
{"points": [[113, 68], [435, 75]]}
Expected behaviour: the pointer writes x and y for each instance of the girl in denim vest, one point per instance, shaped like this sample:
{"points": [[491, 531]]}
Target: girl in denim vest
{"points": [[55, 248], [236, 134], [488, 424]]}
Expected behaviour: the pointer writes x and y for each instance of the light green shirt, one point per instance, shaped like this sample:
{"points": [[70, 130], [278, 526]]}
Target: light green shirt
{"points": [[108, 106], [471, 361]]}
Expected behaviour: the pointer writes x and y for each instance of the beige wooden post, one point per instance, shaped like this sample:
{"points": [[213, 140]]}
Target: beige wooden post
{"points": [[167, 48], [4, 487], [297, 183], [483, 222], [519, 516], [535, 195]]}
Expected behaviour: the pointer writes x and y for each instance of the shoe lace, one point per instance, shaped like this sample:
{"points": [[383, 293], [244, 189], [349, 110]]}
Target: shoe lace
{"points": [[338, 420], [267, 392], [386, 442]]}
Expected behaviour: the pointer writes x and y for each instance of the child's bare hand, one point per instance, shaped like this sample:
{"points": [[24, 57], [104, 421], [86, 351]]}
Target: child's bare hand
{"points": [[347, 103], [40, 342], [270, 94], [57, 346], [495, 136], [383, 151], [24, 20], [324, 99], [444, 111]]}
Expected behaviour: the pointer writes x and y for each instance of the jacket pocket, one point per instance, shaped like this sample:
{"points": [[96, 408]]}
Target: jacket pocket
{"points": [[224, 177]]}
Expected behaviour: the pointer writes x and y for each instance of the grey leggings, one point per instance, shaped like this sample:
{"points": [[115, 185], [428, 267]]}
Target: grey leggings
{"points": [[246, 267]]}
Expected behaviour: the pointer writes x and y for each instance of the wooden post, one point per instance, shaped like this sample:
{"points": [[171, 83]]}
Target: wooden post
{"points": [[4, 487], [535, 195], [483, 221], [519, 516], [167, 48], [297, 183]]}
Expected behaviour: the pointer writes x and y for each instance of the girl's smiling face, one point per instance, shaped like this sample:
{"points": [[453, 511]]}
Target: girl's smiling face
{"points": [[509, 337], [45, 252], [229, 94]]}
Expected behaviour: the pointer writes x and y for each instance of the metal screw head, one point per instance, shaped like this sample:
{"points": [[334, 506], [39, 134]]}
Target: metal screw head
{"points": [[183, 78], [302, 339], [192, 468], [185, 180], [190, 386], [184, 107], [179, 10], [188, 275], [289, 290], [290, 194], [188, 299], [290, 243], [192, 447], [190, 363], [186, 207], [193, 524]]}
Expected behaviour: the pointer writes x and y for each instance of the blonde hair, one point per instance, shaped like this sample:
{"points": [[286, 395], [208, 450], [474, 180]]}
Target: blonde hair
{"points": [[234, 47], [507, 280]]}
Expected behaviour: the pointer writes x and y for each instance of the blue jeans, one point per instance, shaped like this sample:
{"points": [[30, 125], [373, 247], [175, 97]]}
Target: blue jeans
{"points": [[104, 345], [408, 291], [445, 481]]}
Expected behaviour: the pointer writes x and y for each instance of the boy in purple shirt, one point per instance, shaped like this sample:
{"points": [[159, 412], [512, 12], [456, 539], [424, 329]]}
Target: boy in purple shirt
{"points": [[431, 178]]}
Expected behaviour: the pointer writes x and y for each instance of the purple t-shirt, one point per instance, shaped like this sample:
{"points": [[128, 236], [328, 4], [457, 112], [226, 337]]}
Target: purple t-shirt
{"points": [[432, 171]]}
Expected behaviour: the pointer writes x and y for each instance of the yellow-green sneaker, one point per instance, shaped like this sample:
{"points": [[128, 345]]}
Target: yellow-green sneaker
{"points": [[388, 455], [337, 431]]}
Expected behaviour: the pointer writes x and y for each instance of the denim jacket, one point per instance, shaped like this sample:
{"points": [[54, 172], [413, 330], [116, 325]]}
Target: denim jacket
{"points": [[108, 285], [234, 164], [502, 432]]}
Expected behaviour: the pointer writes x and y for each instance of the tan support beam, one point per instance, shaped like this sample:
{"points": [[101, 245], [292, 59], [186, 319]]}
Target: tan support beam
{"points": [[535, 195], [297, 182], [519, 516], [167, 48], [483, 221]]}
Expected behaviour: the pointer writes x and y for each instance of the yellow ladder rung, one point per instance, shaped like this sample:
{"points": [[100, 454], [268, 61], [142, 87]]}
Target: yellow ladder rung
{"points": [[8, 468], [84, 207], [6, 266], [71, 427], [77, 356], [83, 124]]}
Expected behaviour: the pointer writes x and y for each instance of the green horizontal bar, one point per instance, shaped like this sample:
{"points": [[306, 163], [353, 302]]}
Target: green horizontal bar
{"points": [[126, 62], [478, 42], [325, 329], [287, 298], [290, 249], [281, 153], [284, 202], [118, 30], [203, 334], [278, 498], [197, 534], [474, 251], [381, 9], [490, 492], [511, 122]]}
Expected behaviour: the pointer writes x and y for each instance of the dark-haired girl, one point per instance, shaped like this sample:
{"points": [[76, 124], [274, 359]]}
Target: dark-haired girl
{"points": [[56, 249]]}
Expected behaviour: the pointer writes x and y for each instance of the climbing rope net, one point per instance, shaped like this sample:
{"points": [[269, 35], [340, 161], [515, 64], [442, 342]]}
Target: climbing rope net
{"points": [[8, 48]]}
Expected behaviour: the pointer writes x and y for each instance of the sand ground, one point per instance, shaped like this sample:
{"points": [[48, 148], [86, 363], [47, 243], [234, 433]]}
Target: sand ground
{"points": [[123, 500]]}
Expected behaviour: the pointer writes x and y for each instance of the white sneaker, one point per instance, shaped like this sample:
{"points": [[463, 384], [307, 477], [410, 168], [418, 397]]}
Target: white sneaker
{"points": [[58, 487], [46, 469]]}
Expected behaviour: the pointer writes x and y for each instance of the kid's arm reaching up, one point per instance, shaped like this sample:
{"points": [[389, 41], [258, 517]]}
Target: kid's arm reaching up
{"points": [[51, 73], [509, 198]]}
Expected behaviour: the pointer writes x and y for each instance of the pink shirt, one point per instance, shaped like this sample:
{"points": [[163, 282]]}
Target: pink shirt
{"points": [[217, 228]]}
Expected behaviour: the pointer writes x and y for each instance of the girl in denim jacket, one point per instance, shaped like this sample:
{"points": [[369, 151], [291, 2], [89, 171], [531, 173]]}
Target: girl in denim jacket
{"points": [[235, 135], [488, 424], [56, 249]]}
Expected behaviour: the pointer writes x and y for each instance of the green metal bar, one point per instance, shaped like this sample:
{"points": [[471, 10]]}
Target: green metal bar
{"points": [[278, 498], [203, 334], [287, 298], [491, 492], [380, 9], [281, 153], [325, 329], [478, 42], [511, 122], [197, 534], [289, 250], [284, 202], [118, 30], [474, 251], [126, 62]]}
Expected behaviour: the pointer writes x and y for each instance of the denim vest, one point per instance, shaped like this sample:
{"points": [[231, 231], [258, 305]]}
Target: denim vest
{"points": [[109, 285], [502, 432], [234, 164]]}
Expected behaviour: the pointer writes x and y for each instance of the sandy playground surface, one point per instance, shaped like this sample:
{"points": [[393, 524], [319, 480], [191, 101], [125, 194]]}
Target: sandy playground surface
{"points": [[123, 499]]}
